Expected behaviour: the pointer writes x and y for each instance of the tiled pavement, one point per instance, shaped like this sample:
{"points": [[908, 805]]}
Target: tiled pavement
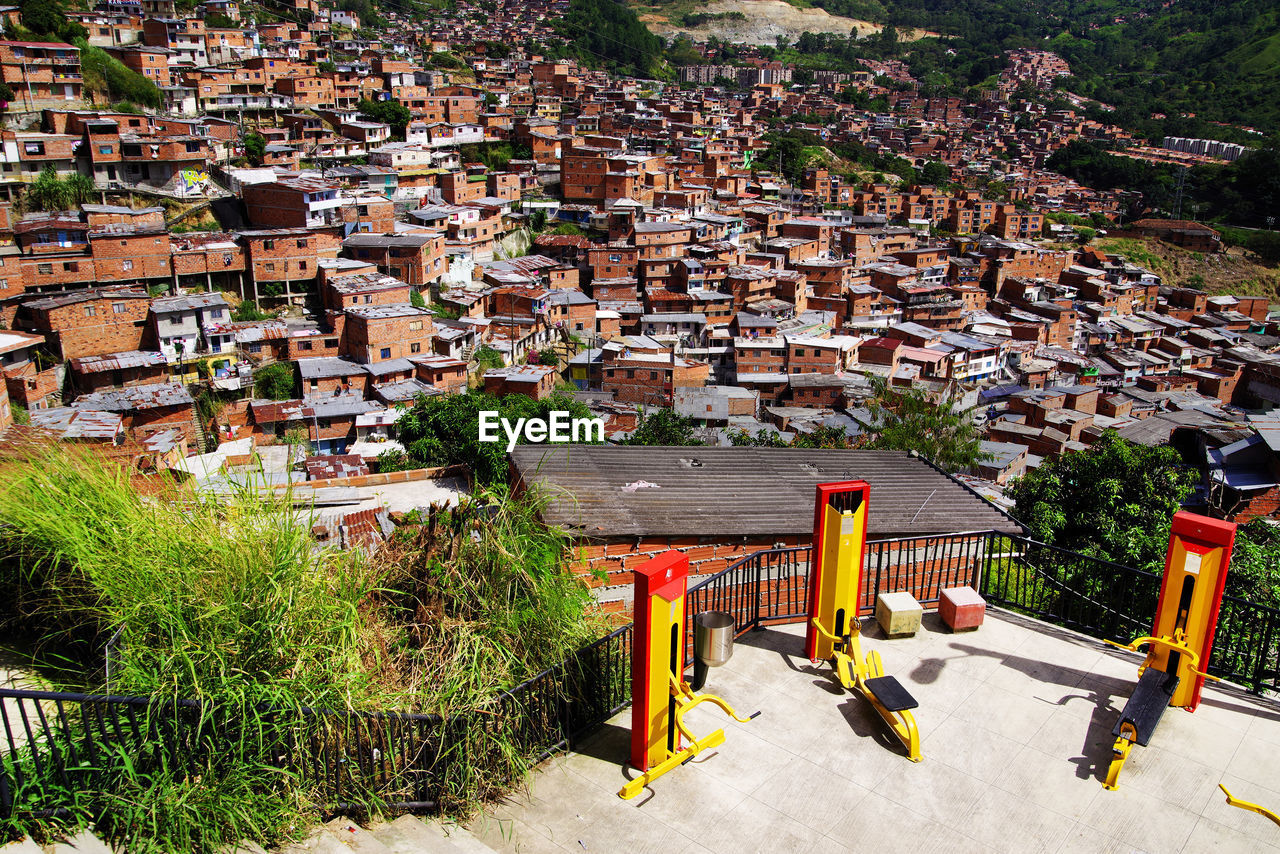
{"points": [[1015, 722]]}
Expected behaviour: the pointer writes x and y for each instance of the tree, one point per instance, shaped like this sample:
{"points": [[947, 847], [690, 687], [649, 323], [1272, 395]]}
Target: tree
{"points": [[664, 427], [762, 439], [1255, 564], [255, 148], [823, 438], [391, 113], [46, 18], [602, 31], [911, 420], [274, 381], [416, 299], [1113, 501], [445, 430], [935, 173]]}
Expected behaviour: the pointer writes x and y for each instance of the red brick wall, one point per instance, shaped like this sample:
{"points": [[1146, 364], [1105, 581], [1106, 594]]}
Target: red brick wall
{"points": [[94, 327]]}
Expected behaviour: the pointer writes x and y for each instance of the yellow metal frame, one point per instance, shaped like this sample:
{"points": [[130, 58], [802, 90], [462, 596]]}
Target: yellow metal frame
{"points": [[1158, 650], [853, 671], [685, 699], [838, 582], [1246, 805]]}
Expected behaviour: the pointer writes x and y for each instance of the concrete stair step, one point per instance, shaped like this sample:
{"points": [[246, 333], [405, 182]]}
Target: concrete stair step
{"points": [[83, 842], [355, 837], [411, 835], [244, 846], [319, 841], [22, 846]]}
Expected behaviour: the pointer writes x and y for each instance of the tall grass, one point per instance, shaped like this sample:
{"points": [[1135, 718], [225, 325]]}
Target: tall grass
{"points": [[487, 602], [228, 601]]}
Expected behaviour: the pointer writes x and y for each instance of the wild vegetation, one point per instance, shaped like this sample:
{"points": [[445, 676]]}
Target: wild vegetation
{"points": [[1244, 192], [445, 430], [108, 76], [227, 601], [604, 32]]}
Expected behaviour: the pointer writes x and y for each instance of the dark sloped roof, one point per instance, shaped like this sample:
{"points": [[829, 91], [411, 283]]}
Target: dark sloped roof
{"points": [[600, 491]]}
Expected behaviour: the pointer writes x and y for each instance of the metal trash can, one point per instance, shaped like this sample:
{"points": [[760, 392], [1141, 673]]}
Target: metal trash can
{"points": [[712, 643]]}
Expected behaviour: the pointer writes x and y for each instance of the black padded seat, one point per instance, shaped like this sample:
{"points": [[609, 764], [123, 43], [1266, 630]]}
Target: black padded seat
{"points": [[1146, 706], [889, 692]]}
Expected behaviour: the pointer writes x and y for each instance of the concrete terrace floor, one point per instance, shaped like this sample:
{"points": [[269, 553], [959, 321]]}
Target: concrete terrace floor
{"points": [[1015, 723]]}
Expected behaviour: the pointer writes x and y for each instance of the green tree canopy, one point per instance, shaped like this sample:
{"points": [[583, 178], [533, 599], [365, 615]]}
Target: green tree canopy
{"points": [[445, 430], [391, 113], [664, 427], [1114, 501], [606, 32], [911, 420], [255, 147], [275, 381]]}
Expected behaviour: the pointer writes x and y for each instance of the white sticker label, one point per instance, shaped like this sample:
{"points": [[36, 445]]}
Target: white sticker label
{"points": [[1192, 564]]}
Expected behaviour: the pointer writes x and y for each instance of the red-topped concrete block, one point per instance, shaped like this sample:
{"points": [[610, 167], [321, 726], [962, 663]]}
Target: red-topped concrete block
{"points": [[962, 608]]}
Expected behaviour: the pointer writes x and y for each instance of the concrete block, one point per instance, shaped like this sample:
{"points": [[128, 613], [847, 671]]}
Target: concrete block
{"points": [[962, 608], [898, 614]]}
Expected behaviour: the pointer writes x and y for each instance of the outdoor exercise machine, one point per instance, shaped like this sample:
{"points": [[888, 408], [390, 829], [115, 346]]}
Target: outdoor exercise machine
{"points": [[1246, 805], [834, 630], [660, 697], [1178, 648]]}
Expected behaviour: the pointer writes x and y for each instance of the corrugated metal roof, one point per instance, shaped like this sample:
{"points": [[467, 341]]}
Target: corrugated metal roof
{"points": [[744, 491]]}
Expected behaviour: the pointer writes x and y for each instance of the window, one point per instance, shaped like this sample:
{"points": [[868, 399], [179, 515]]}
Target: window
{"points": [[90, 310], [653, 375], [45, 269], [385, 353], [268, 244], [271, 267], [70, 267], [4, 284], [415, 347], [799, 351], [630, 374], [368, 298], [33, 147], [331, 343], [255, 348], [304, 345], [216, 314], [104, 149], [415, 325], [302, 244], [118, 308], [126, 265]]}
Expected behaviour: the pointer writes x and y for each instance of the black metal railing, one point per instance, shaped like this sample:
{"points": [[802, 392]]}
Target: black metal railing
{"points": [[1117, 602], [57, 745], [771, 587], [1087, 594]]}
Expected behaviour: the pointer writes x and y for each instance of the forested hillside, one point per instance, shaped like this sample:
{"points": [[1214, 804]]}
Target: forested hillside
{"points": [[1220, 60]]}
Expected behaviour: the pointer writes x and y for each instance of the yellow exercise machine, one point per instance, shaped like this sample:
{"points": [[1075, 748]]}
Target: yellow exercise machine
{"points": [[1172, 674], [1245, 805], [660, 698], [839, 543], [866, 676]]}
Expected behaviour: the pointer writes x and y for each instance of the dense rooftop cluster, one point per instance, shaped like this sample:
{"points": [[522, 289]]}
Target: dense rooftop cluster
{"points": [[533, 221]]}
